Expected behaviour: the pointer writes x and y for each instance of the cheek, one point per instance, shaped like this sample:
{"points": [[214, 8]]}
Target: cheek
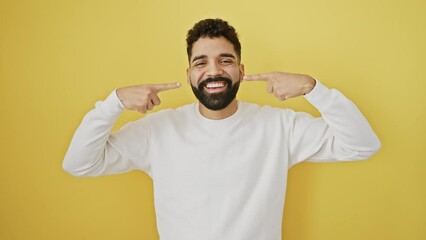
{"points": [[235, 74], [193, 77]]}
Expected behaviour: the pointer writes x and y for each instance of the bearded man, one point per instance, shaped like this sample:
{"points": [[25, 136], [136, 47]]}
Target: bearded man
{"points": [[219, 166]]}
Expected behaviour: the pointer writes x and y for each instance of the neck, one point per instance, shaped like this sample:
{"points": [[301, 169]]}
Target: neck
{"points": [[219, 114]]}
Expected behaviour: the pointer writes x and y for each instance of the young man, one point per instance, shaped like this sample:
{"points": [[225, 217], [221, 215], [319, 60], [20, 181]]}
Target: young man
{"points": [[219, 166]]}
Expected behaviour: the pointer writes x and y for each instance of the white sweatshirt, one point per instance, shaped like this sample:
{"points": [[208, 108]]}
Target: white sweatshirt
{"points": [[220, 179]]}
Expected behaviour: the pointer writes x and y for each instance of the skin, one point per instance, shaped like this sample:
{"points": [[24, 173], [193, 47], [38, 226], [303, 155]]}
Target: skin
{"points": [[216, 57], [212, 58], [285, 85], [143, 98]]}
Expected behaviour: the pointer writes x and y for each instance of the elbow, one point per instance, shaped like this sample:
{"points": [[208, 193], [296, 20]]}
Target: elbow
{"points": [[371, 149], [359, 152], [378, 146], [375, 147], [70, 168]]}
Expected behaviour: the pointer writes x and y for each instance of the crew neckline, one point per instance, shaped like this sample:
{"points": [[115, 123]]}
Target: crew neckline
{"points": [[228, 119]]}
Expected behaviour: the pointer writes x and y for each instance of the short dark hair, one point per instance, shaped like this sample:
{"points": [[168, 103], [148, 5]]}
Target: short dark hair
{"points": [[212, 28]]}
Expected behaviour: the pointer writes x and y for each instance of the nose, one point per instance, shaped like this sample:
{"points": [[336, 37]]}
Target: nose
{"points": [[214, 69]]}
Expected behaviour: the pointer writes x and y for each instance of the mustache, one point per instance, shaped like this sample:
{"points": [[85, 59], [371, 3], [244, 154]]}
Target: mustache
{"points": [[214, 79]]}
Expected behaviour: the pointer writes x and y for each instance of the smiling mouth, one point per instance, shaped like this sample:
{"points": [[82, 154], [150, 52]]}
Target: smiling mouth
{"points": [[215, 86]]}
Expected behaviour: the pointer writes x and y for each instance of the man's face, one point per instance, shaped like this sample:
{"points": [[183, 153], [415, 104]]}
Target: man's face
{"points": [[215, 72]]}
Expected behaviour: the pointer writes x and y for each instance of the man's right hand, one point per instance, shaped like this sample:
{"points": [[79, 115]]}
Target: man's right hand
{"points": [[143, 98]]}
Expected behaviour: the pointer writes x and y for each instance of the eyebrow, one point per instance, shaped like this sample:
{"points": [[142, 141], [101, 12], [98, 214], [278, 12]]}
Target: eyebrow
{"points": [[199, 57], [227, 55], [220, 55]]}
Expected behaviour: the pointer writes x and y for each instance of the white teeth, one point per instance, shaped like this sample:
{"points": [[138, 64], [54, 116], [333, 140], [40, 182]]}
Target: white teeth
{"points": [[215, 84]]}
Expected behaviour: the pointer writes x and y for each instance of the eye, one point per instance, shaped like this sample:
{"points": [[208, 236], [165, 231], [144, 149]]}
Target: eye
{"points": [[200, 64], [226, 61]]}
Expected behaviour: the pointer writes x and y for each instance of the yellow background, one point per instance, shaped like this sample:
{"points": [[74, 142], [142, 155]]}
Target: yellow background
{"points": [[57, 58]]}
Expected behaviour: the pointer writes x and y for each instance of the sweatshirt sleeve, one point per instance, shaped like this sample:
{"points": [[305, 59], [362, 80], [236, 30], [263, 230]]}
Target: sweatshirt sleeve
{"points": [[341, 133], [95, 151]]}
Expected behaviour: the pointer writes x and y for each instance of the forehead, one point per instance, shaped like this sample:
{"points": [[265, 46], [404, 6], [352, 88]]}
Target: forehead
{"points": [[212, 47]]}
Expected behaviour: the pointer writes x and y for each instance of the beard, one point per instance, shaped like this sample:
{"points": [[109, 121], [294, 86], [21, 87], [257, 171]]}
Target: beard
{"points": [[216, 101]]}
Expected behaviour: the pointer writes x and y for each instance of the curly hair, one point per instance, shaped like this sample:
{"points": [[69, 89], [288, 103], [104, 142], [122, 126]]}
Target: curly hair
{"points": [[212, 28]]}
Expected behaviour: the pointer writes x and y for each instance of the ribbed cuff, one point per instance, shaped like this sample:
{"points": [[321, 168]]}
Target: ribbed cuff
{"points": [[320, 96], [111, 105], [118, 99]]}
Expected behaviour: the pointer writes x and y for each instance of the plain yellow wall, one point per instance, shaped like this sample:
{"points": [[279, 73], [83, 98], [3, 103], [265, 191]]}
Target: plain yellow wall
{"points": [[57, 58]]}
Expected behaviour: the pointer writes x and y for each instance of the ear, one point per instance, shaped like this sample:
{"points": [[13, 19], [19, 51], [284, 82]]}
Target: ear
{"points": [[188, 80], [241, 71]]}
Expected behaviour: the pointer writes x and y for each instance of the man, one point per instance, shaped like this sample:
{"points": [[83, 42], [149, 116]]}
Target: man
{"points": [[219, 167]]}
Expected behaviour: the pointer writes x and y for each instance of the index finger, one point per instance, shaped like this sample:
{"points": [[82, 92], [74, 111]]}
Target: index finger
{"points": [[257, 77], [165, 86]]}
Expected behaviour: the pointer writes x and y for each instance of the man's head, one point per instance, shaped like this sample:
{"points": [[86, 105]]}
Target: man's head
{"points": [[212, 28], [214, 55]]}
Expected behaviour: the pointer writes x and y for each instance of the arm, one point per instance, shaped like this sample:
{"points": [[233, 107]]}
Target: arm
{"points": [[342, 133], [94, 150], [90, 153]]}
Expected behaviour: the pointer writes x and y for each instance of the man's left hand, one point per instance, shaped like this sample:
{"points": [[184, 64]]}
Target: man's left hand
{"points": [[285, 85]]}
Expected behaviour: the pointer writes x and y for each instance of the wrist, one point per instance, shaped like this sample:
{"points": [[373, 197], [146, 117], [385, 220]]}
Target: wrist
{"points": [[309, 84], [117, 94]]}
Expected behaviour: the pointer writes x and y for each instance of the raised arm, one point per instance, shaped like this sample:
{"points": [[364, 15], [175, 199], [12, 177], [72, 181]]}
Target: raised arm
{"points": [[94, 150], [342, 132]]}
